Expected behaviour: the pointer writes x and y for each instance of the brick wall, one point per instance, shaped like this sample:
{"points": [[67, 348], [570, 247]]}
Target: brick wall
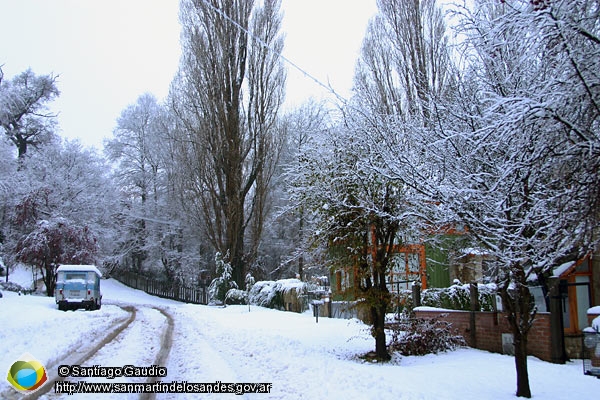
{"points": [[490, 326]]}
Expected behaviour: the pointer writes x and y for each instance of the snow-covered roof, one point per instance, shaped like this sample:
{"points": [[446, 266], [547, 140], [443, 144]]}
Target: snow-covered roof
{"points": [[474, 251], [289, 284], [86, 268], [596, 321], [594, 310], [561, 269], [435, 309]]}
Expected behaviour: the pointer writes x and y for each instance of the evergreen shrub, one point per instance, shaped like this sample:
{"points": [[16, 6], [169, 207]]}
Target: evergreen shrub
{"points": [[420, 336]]}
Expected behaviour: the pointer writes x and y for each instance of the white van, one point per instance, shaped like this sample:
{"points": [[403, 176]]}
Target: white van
{"points": [[78, 286]]}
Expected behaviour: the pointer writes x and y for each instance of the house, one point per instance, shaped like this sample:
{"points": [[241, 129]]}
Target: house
{"points": [[580, 290], [579, 281], [408, 265]]}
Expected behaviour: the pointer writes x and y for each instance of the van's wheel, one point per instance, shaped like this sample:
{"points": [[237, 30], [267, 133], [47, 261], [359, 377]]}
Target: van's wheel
{"points": [[61, 307]]}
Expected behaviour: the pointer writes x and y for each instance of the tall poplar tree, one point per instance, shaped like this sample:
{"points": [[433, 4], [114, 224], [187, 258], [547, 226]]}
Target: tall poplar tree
{"points": [[226, 98]]}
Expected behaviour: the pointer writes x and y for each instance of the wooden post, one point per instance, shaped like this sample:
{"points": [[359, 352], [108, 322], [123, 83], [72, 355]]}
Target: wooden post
{"points": [[474, 297], [558, 355], [416, 294], [495, 309]]}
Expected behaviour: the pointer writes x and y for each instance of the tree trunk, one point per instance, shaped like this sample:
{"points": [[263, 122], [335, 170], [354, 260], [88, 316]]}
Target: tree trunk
{"points": [[300, 241], [518, 305], [22, 148], [49, 276], [520, 342], [376, 293], [236, 252], [378, 331]]}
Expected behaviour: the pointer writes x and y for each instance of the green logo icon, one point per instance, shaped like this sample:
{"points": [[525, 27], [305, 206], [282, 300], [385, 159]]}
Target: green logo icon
{"points": [[27, 374]]}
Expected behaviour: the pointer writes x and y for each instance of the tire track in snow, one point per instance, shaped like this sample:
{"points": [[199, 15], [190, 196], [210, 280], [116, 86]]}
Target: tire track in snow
{"points": [[138, 332], [73, 358], [197, 360], [166, 343]]}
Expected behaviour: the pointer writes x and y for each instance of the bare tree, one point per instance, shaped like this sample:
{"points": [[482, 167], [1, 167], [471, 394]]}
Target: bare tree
{"points": [[404, 60], [227, 96], [266, 80]]}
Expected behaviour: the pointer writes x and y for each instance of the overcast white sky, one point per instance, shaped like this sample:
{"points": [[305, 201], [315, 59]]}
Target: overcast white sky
{"points": [[109, 52]]}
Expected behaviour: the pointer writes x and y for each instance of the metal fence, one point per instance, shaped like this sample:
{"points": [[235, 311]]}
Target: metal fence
{"points": [[591, 352], [166, 290]]}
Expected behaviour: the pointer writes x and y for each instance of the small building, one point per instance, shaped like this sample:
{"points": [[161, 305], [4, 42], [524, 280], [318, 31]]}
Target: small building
{"points": [[451, 260], [408, 265], [580, 290]]}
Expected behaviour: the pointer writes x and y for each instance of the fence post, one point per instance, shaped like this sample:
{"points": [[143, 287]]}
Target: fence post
{"points": [[558, 355], [416, 294], [474, 306]]}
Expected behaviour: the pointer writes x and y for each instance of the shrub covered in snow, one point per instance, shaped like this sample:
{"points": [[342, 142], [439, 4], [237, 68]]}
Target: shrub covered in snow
{"points": [[13, 287], [236, 296], [458, 297], [455, 297], [420, 336], [264, 294], [270, 294], [221, 285]]}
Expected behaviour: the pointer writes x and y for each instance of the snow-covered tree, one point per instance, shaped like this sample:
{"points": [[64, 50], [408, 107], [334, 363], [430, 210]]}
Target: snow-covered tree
{"points": [[77, 179], [359, 215], [224, 282], [364, 210], [60, 180], [518, 154], [54, 242], [151, 234], [293, 224], [24, 116], [500, 148], [7, 185]]}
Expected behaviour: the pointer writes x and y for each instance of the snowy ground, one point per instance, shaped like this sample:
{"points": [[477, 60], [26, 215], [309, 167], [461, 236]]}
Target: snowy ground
{"points": [[301, 358]]}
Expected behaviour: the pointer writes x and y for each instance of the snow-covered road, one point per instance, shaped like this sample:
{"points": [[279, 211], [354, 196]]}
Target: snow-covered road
{"points": [[301, 358]]}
